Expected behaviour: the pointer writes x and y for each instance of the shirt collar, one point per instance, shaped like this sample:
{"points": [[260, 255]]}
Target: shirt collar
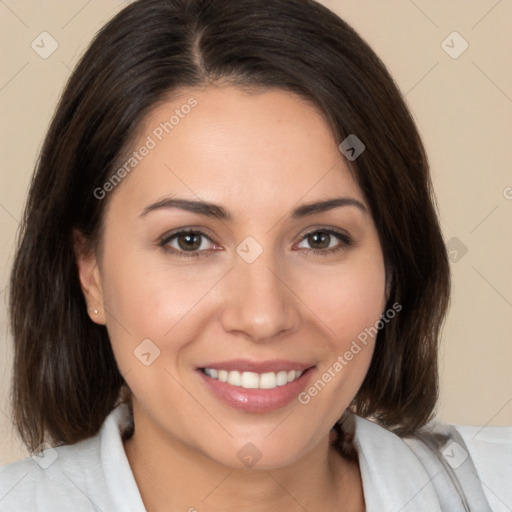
{"points": [[118, 474], [392, 475]]}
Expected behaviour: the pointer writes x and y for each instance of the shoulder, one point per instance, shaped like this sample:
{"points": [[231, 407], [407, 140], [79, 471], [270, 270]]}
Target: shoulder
{"points": [[406, 472], [491, 451], [91, 475], [393, 477], [65, 474]]}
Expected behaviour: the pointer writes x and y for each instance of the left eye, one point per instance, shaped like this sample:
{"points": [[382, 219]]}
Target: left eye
{"points": [[325, 240]]}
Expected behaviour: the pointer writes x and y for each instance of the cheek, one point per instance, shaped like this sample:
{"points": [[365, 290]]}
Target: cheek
{"points": [[148, 327], [145, 293], [348, 302], [345, 364], [349, 299], [148, 299]]}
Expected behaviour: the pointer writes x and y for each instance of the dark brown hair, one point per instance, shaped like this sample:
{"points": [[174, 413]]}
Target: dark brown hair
{"points": [[66, 380]]}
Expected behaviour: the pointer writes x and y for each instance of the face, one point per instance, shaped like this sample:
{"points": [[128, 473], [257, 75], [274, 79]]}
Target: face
{"points": [[238, 323]]}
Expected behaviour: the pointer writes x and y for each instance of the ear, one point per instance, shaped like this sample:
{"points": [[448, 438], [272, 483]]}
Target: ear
{"points": [[89, 276]]}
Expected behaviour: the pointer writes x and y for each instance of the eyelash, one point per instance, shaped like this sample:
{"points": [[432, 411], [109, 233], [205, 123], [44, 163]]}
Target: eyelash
{"points": [[344, 238]]}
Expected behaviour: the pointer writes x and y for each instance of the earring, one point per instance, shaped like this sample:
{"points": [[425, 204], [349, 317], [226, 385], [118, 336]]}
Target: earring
{"points": [[95, 311]]}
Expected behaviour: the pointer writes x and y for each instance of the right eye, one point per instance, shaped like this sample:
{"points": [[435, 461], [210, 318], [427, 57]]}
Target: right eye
{"points": [[188, 243]]}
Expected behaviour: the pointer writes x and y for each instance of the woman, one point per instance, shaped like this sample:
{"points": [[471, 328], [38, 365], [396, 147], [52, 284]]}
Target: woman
{"points": [[231, 280]]}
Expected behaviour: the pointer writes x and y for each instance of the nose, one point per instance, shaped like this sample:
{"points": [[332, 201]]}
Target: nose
{"points": [[259, 302]]}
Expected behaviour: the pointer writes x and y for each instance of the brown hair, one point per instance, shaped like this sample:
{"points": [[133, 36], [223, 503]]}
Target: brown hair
{"points": [[66, 380]]}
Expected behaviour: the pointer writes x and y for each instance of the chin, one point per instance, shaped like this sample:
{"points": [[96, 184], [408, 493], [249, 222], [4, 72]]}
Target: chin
{"points": [[258, 452]]}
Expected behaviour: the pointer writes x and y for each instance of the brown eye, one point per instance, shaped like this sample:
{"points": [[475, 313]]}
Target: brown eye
{"points": [[325, 241], [189, 241], [319, 240]]}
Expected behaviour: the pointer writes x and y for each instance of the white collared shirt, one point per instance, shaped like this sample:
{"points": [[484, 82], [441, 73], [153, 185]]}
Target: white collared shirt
{"points": [[95, 475]]}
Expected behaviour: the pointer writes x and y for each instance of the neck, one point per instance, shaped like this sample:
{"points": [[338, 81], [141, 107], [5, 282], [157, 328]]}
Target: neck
{"points": [[173, 476]]}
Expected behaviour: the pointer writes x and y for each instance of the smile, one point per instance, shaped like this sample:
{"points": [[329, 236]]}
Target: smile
{"points": [[253, 380], [256, 387]]}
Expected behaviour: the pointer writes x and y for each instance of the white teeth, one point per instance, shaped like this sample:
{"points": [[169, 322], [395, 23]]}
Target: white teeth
{"points": [[282, 378], [234, 378], [268, 380], [252, 380]]}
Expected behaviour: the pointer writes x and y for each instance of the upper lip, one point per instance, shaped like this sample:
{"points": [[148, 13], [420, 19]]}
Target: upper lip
{"points": [[245, 365]]}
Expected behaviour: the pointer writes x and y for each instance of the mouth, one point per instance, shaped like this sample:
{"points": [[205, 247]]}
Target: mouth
{"points": [[253, 380], [256, 387]]}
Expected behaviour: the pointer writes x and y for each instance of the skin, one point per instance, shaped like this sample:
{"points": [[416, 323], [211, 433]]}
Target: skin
{"points": [[259, 155]]}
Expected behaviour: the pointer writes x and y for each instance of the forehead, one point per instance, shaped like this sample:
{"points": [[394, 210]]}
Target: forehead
{"points": [[253, 150]]}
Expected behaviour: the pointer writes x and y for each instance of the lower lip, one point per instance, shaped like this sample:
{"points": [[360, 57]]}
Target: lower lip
{"points": [[257, 400]]}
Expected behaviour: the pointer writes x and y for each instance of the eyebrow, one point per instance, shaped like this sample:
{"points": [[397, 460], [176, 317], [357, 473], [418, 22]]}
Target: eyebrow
{"points": [[218, 212]]}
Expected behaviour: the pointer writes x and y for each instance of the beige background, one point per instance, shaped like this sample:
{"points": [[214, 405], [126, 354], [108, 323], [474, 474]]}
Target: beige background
{"points": [[463, 107]]}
